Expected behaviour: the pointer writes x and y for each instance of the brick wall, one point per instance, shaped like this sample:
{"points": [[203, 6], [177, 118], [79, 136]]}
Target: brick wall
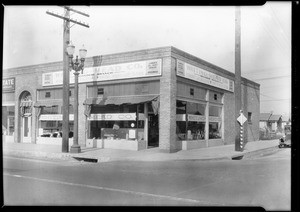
{"points": [[167, 111], [30, 78]]}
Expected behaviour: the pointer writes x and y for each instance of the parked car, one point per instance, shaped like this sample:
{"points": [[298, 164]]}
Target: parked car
{"points": [[285, 141], [46, 135], [57, 134]]}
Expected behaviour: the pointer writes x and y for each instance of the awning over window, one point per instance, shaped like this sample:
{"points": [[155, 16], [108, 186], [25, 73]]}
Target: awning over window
{"points": [[26, 104], [94, 101], [47, 104], [119, 100]]}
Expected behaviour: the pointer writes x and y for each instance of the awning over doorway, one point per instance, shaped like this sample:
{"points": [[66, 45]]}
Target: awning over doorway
{"points": [[47, 104], [119, 100], [26, 104]]}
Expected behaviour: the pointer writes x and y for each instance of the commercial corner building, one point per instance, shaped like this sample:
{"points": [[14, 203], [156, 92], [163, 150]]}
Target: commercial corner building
{"points": [[134, 100]]}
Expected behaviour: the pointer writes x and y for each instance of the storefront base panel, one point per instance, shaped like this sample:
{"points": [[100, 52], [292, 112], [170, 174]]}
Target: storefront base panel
{"points": [[93, 143], [8, 139], [52, 141], [194, 144], [124, 144], [26, 140], [215, 142]]}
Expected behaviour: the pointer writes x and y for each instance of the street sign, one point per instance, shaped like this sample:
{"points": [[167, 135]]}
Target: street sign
{"points": [[241, 119]]}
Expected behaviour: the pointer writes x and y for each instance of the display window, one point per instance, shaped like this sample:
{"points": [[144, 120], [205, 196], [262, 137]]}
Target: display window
{"points": [[215, 122], [196, 130], [50, 122], [116, 122], [181, 127], [191, 120], [190, 123], [8, 120], [215, 111], [215, 130]]}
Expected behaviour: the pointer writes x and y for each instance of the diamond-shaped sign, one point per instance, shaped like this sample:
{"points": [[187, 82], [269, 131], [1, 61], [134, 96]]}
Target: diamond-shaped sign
{"points": [[241, 119]]}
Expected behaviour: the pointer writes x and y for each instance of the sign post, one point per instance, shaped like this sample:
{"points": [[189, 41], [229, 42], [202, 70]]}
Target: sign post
{"points": [[241, 119]]}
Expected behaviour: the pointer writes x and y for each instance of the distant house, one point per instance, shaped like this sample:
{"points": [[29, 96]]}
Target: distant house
{"points": [[285, 120], [271, 122]]}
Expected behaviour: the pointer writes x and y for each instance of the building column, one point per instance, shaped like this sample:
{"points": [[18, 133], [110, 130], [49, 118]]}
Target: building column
{"points": [[34, 129], [167, 106], [207, 118], [146, 123], [82, 131], [18, 118]]}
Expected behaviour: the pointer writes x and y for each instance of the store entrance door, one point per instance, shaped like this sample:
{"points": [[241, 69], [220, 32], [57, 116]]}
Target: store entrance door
{"points": [[153, 131], [26, 129]]}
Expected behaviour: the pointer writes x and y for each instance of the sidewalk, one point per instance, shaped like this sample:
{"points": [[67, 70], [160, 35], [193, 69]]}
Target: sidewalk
{"points": [[226, 152]]}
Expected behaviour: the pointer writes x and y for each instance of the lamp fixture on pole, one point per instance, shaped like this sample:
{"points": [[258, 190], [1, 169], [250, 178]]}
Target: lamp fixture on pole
{"points": [[76, 66]]}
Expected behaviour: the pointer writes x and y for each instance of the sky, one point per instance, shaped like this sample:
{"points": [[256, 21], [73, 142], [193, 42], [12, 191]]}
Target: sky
{"points": [[208, 32]]}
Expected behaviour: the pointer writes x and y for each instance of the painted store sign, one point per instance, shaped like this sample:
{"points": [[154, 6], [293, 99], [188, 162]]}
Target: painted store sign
{"points": [[8, 84], [54, 117], [196, 118], [148, 68], [113, 117], [200, 75]]}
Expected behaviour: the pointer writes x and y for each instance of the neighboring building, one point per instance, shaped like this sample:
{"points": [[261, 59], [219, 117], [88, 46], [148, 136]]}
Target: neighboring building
{"points": [[134, 100], [285, 120], [273, 122]]}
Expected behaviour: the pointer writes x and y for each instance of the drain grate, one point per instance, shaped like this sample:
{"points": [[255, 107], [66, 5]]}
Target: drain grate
{"points": [[91, 160], [240, 157]]}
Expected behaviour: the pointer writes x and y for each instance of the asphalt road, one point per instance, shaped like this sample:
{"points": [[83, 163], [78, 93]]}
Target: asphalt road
{"points": [[263, 181]]}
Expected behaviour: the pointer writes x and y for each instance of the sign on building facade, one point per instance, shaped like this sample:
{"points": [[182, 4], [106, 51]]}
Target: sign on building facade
{"points": [[197, 74], [8, 84], [148, 68]]}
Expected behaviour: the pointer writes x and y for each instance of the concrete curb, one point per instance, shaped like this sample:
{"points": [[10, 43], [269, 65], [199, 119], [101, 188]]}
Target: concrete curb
{"points": [[40, 155], [261, 152], [78, 157]]}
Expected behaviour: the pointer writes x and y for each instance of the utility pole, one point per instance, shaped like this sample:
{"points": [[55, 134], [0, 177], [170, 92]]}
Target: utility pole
{"points": [[237, 87], [66, 87], [66, 76]]}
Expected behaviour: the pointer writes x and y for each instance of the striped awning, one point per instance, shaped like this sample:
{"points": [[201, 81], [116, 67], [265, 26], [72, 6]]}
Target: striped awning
{"points": [[26, 104], [119, 100], [47, 104], [94, 101]]}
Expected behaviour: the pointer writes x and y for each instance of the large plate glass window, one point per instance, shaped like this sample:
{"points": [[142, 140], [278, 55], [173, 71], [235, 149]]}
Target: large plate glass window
{"points": [[116, 122], [215, 122], [196, 121], [181, 125]]}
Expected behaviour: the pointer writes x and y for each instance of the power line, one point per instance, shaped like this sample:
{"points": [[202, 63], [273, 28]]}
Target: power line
{"points": [[269, 78], [259, 71], [274, 100], [269, 32], [278, 23]]}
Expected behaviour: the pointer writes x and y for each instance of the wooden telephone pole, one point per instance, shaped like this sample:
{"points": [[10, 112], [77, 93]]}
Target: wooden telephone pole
{"points": [[66, 76], [237, 87]]}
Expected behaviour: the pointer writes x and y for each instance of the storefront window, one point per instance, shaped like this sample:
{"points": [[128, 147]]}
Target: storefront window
{"points": [[116, 122], [215, 111], [215, 120], [190, 124], [181, 120], [215, 130], [195, 108], [8, 120], [50, 123], [196, 130]]}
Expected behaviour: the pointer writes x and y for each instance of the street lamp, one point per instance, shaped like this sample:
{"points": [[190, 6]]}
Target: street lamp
{"points": [[76, 66]]}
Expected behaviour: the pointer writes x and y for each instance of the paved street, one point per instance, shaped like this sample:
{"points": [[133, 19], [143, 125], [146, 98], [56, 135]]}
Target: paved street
{"points": [[263, 181]]}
